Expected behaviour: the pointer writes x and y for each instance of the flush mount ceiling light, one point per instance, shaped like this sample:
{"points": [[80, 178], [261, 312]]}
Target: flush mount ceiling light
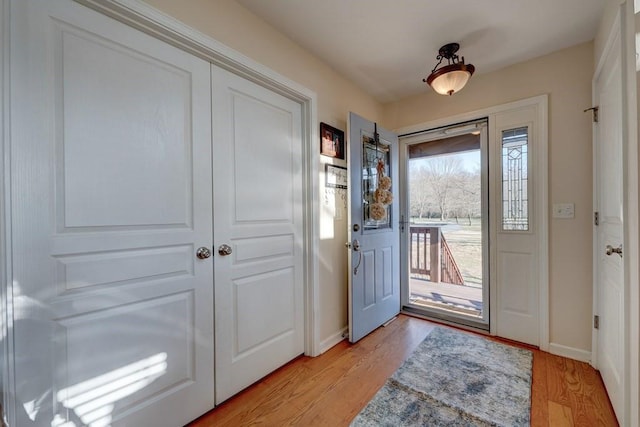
{"points": [[452, 77]]}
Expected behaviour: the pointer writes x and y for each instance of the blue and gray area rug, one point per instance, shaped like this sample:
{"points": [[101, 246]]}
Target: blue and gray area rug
{"points": [[455, 379]]}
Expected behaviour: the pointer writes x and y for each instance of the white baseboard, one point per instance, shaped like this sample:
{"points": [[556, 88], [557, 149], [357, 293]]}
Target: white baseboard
{"points": [[570, 352], [334, 339]]}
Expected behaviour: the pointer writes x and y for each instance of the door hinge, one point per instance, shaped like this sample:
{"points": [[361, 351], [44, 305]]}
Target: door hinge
{"points": [[402, 223], [596, 218], [596, 322], [595, 113]]}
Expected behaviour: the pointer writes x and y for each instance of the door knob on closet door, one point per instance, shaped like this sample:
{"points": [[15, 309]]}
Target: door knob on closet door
{"points": [[225, 250], [203, 253]]}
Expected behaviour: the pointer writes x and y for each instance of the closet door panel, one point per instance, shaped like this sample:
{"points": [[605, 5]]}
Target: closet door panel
{"points": [[111, 199]]}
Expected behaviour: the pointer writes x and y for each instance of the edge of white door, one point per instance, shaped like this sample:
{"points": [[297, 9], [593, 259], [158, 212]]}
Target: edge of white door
{"points": [[630, 26], [608, 354], [6, 322]]}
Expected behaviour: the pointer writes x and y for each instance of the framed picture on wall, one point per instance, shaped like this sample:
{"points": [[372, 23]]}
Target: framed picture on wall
{"points": [[331, 141]]}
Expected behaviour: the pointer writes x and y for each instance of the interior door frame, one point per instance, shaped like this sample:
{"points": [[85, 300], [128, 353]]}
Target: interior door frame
{"points": [[624, 26], [149, 20], [540, 211]]}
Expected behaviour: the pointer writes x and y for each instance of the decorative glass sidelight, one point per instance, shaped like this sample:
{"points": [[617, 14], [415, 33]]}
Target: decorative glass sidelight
{"points": [[515, 180], [376, 184]]}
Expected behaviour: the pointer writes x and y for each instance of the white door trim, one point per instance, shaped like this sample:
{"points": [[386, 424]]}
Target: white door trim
{"points": [[632, 220], [541, 208], [624, 25], [615, 27], [6, 320], [139, 15]]}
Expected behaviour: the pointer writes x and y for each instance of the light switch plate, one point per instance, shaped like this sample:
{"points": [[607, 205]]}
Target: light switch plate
{"points": [[563, 210]]}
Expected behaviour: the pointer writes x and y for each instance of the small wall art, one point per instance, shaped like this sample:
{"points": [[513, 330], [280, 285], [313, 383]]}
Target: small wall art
{"points": [[331, 141], [335, 176]]}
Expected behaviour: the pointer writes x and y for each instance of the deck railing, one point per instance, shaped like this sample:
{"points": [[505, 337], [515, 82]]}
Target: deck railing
{"points": [[429, 248]]}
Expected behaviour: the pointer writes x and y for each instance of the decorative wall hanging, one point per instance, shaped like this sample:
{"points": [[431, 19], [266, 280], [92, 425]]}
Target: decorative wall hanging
{"points": [[382, 196], [335, 189], [335, 176], [376, 183]]}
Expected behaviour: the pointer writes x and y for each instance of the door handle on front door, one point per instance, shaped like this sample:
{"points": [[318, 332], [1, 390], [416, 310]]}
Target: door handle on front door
{"points": [[356, 248], [611, 250]]}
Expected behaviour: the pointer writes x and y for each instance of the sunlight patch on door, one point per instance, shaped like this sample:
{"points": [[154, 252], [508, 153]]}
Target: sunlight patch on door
{"points": [[93, 400]]}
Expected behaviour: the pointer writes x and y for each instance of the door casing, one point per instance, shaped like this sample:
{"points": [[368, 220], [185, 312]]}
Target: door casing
{"points": [[539, 212], [147, 19], [6, 321]]}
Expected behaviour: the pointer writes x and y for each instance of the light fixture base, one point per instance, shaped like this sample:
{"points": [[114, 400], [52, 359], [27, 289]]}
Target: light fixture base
{"points": [[449, 50]]}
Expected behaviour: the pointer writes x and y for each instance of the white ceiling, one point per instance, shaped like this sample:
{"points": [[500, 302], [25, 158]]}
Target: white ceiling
{"points": [[388, 46]]}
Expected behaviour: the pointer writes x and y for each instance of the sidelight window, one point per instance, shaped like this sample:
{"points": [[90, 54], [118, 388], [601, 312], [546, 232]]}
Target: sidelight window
{"points": [[515, 179]]}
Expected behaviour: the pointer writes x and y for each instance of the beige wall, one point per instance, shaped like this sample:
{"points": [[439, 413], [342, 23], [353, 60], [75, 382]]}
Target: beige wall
{"points": [[232, 24], [566, 76]]}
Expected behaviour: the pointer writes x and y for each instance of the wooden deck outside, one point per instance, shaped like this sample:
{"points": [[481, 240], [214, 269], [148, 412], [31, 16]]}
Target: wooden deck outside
{"points": [[435, 278], [457, 298]]}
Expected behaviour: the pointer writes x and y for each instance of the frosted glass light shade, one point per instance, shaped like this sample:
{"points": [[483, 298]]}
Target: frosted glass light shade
{"points": [[451, 78]]}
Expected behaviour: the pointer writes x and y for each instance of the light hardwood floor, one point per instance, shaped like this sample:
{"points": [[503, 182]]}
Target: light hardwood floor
{"points": [[331, 389]]}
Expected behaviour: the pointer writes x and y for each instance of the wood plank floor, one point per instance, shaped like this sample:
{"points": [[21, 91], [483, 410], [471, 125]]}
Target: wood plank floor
{"points": [[331, 389]]}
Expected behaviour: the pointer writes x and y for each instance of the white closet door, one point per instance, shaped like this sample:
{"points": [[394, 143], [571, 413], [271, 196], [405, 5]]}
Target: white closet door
{"points": [[611, 204], [258, 214], [111, 198]]}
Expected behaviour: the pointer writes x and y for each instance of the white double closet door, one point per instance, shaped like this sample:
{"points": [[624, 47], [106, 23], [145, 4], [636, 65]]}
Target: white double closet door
{"points": [[258, 212], [127, 156]]}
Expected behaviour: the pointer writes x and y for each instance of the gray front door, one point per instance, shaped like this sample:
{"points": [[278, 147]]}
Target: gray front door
{"points": [[374, 274]]}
